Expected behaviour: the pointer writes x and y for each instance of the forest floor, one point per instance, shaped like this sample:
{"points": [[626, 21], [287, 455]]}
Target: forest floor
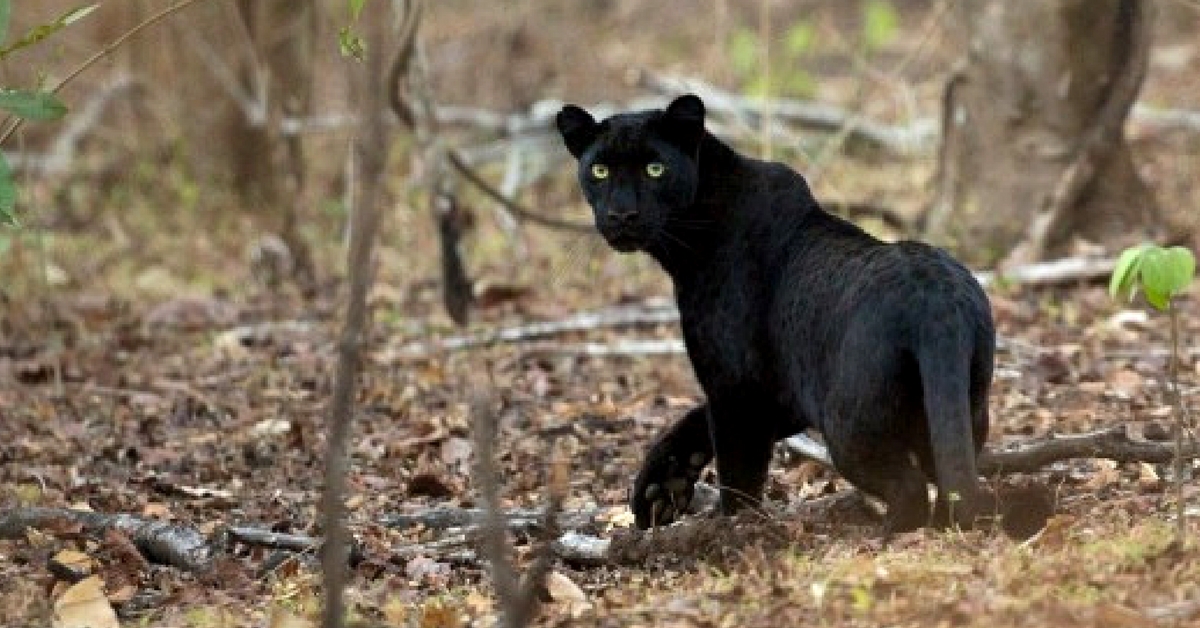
{"points": [[144, 371]]}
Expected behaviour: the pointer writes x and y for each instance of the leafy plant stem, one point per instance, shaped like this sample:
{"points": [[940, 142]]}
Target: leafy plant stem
{"points": [[1178, 429], [14, 123]]}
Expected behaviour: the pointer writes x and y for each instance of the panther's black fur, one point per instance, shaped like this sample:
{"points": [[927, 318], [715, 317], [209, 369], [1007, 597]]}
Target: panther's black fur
{"points": [[793, 319]]}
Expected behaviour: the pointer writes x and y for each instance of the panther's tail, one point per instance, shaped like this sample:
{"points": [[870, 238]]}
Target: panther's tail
{"points": [[944, 356]]}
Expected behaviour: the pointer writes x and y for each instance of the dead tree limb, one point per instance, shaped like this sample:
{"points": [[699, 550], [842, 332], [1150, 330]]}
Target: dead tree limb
{"points": [[512, 206], [410, 95], [159, 541]]}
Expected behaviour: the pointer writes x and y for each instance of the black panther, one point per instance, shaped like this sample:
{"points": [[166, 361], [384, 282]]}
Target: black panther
{"points": [[793, 319]]}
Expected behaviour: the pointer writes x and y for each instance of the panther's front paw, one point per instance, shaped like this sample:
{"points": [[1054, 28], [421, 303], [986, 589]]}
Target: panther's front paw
{"points": [[665, 486]]}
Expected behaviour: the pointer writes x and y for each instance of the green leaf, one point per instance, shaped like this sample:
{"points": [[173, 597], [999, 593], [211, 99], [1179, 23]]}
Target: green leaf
{"points": [[32, 105], [5, 17], [351, 44], [745, 53], [799, 38], [78, 13], [1168, 271], [42, 31], [880, 24], [1125, 273], [1160, 300], [8, 194], [356, 7]]}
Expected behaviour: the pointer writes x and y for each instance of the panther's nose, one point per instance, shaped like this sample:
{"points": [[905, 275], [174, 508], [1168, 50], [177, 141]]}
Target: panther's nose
{"points": [[624, 216]]}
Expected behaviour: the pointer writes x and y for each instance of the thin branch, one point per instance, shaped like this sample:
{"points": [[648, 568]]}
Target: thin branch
{"points": [[104, 52], [495, 548], [367, 85], [509, 204]]}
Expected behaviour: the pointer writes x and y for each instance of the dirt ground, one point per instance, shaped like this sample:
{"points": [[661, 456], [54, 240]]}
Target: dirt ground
{"points": [[144, 370]]}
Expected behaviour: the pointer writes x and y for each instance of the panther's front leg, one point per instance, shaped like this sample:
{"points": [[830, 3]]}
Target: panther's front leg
{"points": [[666, 483], [743, 430]]}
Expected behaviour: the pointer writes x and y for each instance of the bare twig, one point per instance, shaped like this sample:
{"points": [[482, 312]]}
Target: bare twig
{"points": [[494, 546], [518, 599], [509, 204], [367, 85]]}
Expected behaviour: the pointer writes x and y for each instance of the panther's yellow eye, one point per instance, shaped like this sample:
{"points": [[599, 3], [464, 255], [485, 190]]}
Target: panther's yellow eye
{"points": [[655, 169], [599, 171]]}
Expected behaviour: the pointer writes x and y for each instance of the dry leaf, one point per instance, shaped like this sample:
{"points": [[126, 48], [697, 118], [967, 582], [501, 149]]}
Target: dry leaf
{"points": [[563, 589], [192, 313], [456, 450], [1148, 478], [1107, 472], [84, 605], [1119, 616], [72, 565], [281, 618], [1126, 381], [1054, 535], [157, 510]]}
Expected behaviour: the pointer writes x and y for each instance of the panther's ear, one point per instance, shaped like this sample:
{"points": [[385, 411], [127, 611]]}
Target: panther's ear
{"points": [[578, 129], [687, 109], [685, 115]]}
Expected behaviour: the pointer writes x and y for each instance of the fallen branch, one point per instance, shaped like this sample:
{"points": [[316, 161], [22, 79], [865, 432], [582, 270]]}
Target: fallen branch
{"points": [[582, 322], [186, 548], [1113, 443], [159, 541], [525, 521], [916, 138], [1056, 272], [1067, 270]]}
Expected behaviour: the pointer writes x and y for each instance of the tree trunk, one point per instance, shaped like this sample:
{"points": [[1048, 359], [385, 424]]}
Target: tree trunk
{"points": [[1034, 152]]}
